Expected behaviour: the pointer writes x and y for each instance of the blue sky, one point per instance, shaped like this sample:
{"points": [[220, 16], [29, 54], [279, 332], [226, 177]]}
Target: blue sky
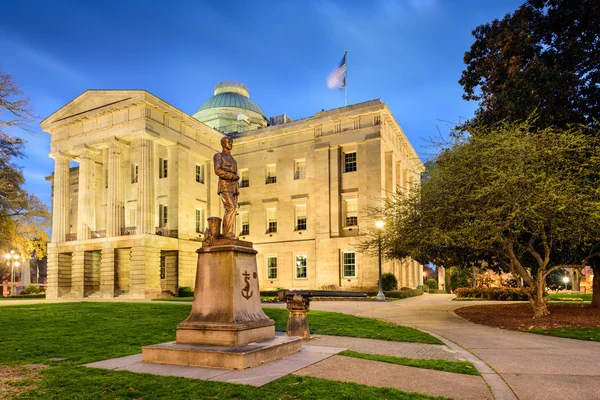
{"points": [[409, 53]]}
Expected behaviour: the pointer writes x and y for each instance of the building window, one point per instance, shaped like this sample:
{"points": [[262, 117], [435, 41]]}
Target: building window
{"points": [[376, 119], [245, 222], [300, 169], [199, 173], [199, 220], [350, 162], [271, 174], [163, 215], [134, 173], [163, 267], [351, 212], [301, 267], [245, 178], [349, 267], [357, 123], [271, 220], [300, 217], [271, 267], [163, 167]]}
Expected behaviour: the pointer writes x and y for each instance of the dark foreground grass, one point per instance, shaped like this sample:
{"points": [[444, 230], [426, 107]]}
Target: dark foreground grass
{"points": [[591, 334], [82, 383], [87, 332], [459, 367], [338, 324]]}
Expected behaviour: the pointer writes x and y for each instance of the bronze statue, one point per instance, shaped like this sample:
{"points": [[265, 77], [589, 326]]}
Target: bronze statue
{"points": [[226, 170]]}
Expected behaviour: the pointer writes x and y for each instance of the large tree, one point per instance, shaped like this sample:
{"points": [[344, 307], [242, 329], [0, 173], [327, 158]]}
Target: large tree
{"points": [[23, 217], [542, 58], [506, 198]]}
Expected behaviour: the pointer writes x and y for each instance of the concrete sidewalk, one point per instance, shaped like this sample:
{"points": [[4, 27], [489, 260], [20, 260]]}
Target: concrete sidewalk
{"points": [[533, 366]]}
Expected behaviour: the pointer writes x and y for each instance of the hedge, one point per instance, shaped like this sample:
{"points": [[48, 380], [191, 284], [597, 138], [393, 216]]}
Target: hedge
{"points": [[491, 293]]}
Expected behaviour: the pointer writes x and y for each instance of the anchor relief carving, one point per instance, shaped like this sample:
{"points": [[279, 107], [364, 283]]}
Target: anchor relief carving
{"points": [[246, 291]]}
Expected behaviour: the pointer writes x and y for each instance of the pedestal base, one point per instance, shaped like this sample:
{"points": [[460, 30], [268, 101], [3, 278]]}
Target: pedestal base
{"points": [[238, 357], [225, 334]]}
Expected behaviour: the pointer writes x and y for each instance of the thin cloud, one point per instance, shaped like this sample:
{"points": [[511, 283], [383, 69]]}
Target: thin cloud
{"points": [[43, 60]]}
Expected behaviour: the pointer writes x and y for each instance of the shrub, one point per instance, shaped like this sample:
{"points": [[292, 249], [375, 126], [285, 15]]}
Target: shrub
{"points": [[185, 291], [492, 293], [403, 294], [32, 289], [432, 284], [388, 282], [405, 288], [269, 293]]}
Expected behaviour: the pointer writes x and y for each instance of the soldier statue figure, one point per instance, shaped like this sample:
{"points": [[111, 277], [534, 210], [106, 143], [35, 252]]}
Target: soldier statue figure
{"points": [[226, 170]]}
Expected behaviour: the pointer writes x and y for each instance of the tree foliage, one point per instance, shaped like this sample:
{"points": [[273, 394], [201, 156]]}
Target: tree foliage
{"points": [[541, 58], [24, 218], [504, 198]]}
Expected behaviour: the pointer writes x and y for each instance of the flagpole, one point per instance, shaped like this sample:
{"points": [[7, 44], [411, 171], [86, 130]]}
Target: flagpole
{"points": [[346, 79]]}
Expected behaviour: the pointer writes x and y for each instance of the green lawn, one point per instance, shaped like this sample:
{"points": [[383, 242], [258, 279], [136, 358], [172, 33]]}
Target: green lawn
{"points": [[558, 296], [459, 367], [22, 298], [591, 334], [174, 299], [87, 332], [338, 324]]}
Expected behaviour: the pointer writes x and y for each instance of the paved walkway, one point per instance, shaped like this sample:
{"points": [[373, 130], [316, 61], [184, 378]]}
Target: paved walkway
{"points": [[388, 348], [533, 366]]}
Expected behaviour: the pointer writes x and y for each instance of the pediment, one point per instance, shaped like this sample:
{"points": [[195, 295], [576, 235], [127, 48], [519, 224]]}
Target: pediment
{"points": [[91, 100]]}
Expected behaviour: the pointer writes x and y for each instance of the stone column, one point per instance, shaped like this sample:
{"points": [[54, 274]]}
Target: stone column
{"points": [[86, 199], [145, 187], [115, 208], [173, 181], [334, 190], [60, 200]]}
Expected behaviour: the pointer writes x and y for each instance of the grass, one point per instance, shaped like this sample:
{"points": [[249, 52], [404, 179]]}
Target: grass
{"points": [[88, 332], [82, 383], [22, 298], [338, 324], [590, 334], [558, 296], [459, 367], [174, 299]]}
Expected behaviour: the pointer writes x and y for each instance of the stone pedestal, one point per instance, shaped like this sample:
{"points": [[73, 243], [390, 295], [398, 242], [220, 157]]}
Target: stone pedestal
{"points": [[226, 327]]}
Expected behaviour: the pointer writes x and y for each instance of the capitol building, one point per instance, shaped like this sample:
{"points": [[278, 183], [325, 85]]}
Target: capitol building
{"points": [[133, 185]]}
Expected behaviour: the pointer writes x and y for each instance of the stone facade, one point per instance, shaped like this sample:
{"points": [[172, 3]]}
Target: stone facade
{"points": [[128, 218]]}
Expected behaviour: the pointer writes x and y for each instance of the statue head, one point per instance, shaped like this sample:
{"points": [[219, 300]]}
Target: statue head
{"points": [[226, 142]]}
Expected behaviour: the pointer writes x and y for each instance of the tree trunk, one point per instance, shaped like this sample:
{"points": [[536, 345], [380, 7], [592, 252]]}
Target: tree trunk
{"points": [[537, 299], [595, 285]]}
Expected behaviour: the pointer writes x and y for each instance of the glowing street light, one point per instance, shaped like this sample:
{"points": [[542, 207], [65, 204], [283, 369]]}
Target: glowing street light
{"points": [[566, 280], [379, 226], [13, 259]]}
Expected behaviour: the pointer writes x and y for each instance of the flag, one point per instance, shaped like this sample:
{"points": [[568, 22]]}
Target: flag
{"points": [[337, 78]]}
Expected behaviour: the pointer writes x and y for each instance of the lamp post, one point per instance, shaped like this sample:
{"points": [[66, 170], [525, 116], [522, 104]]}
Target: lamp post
{"points": [[379, 226], [566, 281], [13, 259]]}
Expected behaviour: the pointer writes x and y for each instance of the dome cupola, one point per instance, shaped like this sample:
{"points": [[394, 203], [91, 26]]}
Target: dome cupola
{"points": [[231, 110]]}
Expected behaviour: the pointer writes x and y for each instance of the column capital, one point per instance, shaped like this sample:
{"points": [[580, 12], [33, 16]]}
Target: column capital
{"points": [[61, 156], [117, 142], [85, 151]]}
